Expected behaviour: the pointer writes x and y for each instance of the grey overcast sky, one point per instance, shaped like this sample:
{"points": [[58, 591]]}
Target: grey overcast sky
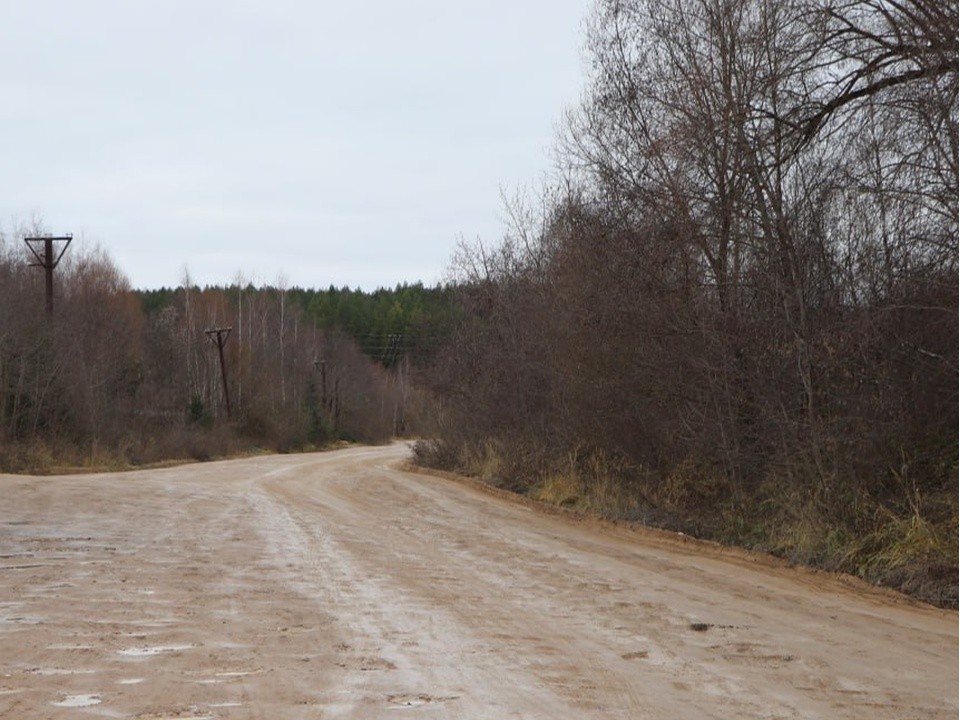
{"points": [[345, 143]]}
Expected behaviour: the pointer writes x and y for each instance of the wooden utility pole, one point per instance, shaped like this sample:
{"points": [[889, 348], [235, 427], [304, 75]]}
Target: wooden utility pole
{"points": [[323, 385], [48, 259], [330, 405], [221, 335]]}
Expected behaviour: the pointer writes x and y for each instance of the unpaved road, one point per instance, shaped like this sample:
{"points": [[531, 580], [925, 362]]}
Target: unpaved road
{"points": [[333, 585]]}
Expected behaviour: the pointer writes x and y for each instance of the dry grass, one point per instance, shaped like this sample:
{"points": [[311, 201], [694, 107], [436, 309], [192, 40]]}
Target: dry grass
{"points": [[559, 489]]}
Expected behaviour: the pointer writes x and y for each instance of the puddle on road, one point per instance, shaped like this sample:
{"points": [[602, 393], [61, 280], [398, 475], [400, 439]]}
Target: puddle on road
{"points": [[226, 676], [239, 673], [59, 671], [41, 590], [78, 701], [23, 620], [399, 702], [28, 566], [155, 650]]}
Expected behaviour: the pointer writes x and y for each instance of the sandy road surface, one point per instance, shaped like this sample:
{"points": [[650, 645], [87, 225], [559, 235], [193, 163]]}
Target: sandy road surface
{"points": [[332, 585]]}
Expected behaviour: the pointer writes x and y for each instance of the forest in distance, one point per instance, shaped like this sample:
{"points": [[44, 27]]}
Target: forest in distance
{"points": [[732, 313], [119, 377]]}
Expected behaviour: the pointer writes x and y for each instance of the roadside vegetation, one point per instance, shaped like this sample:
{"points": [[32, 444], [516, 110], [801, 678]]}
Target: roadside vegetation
{"points": [[735, 312]]}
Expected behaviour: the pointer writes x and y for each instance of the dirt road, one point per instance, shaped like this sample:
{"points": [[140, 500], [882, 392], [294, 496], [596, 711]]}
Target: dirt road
{"points": [[333, 585]]}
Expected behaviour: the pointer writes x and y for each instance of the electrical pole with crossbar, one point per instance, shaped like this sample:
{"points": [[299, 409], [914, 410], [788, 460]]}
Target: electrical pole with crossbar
{"points": [[47, 260], [222, 334]]}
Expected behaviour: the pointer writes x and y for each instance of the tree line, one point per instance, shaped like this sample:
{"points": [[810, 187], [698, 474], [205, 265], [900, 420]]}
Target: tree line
{"points": [[408, 321], [735, 310], [118, 377]]}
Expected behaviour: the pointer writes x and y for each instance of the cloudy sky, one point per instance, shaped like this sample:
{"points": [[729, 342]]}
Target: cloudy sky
{"points": [[350, 143]]}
